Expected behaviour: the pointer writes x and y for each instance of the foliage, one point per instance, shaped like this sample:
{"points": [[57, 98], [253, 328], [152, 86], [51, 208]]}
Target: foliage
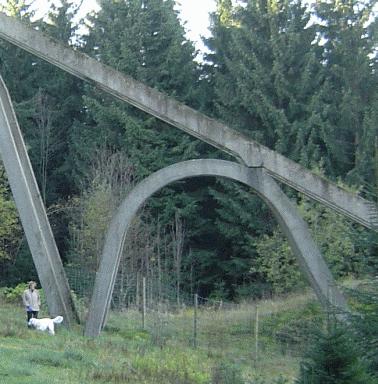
{"points": [[277, 262], [336, 238], [10, 229], [271, 83], [92, 214], [235, 234], [347, 88], [334, 359], [13, 295], [144, 40], [226, 373], [364, 300], [125, 353], [292, 329], [299, 79]]}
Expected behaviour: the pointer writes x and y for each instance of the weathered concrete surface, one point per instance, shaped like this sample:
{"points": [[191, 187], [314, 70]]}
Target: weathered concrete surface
{"points": [[32, 212], [306, 251], [196, 124]]}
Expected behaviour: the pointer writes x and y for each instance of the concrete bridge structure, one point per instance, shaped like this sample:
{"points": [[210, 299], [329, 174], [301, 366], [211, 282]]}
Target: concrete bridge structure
{"points": [[251, 156], [293, 226], [32, 212]]}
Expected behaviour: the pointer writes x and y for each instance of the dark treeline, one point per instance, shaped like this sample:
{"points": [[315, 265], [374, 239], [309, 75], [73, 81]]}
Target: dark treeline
{"points": [[302, 81]]}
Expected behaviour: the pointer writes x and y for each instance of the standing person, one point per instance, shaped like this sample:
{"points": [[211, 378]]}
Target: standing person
{"points": [[31, 300]]}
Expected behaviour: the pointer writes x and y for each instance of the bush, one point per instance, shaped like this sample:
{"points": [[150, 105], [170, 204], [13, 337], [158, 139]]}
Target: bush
{"points": [[14, 295], [334, 358], [226, 373], [253, 291], [292, 328], [364, 300]]}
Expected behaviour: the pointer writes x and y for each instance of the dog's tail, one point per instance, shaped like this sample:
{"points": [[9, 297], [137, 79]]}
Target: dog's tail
{"points": [[58, 320]]}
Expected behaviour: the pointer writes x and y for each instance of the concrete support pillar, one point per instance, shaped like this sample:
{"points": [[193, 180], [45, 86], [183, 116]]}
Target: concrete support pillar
{"points": [[306, 251], [32, 213]]}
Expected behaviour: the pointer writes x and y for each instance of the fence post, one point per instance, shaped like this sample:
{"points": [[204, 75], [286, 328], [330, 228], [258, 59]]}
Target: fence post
{"points": [[144, 303], [257, 335], [195, 320], [137, 293]]}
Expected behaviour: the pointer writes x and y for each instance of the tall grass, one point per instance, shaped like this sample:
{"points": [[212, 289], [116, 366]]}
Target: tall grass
{"points": [[124, 353]]}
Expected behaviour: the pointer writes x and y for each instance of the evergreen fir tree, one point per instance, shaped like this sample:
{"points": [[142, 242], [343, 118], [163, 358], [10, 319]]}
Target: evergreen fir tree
{"points": [[365, 321], [47, 101], [347, 85], [263, 65], [263, 53], [143, 39], [334, 359]]}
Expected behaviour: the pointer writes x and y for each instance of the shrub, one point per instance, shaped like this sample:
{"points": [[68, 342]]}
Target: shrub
{"points": [[364, 300], [14, 295], [226, 373], [334, 359]]}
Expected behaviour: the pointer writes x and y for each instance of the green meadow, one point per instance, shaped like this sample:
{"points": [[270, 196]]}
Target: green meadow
{"points": [[124, 353]]}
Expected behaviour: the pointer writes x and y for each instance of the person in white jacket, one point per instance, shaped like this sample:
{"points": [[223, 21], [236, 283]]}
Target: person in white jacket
{"points": [[31, 300]]}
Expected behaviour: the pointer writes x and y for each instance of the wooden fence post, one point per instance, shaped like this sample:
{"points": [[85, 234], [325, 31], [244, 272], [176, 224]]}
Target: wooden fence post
{"points": [[144, 303], [257, 335], [195, 320]]}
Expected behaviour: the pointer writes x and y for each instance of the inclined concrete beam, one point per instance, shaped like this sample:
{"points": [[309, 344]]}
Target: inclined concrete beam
{"points": [[32, 213], [194, 123], [307, 253]]}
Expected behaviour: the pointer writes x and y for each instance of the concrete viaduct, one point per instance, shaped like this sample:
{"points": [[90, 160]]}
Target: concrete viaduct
{"points": [[307, 253], [256, 163]]}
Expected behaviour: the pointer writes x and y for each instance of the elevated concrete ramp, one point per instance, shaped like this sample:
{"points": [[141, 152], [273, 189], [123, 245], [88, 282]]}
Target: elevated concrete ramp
{"points": [[32, 213], [194, 123]]}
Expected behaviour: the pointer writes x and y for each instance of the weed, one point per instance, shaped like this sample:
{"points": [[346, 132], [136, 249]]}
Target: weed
{"points": [[12, 330], [73, 355], [55, 359], [111, 375], [226, 373], [21, 372], [161, 354]]}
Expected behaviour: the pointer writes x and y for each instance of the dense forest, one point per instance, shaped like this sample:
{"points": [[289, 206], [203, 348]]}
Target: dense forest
{"points": [[301, 80]]}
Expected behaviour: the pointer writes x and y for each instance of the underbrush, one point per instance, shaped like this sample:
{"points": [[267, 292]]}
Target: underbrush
{"points": [[247, 343], [124, 353]]}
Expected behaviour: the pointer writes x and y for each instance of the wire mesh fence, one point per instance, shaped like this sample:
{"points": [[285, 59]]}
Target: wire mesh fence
{"points": [[248, 333]]}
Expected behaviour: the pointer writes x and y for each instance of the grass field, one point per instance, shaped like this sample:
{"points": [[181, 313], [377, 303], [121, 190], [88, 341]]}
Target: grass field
{"points": [[125, 354]]}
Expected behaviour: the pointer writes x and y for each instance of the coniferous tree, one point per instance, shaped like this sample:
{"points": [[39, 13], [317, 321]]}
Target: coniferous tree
{"points": [[143, 39], [341, 106], [271, 66], [263, 53], [304, 88], [262, 66], [334, 358], [47, 101]]}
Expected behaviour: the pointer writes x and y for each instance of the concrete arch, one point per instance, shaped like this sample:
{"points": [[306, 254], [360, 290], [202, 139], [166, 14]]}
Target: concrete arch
{"points": [[310, 260]]}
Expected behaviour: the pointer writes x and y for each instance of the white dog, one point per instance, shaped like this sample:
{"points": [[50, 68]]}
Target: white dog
{"points": [[45, 324]]}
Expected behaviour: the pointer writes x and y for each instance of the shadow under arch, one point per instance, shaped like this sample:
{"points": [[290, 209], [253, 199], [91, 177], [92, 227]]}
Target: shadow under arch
{"points": [[306, 251]]}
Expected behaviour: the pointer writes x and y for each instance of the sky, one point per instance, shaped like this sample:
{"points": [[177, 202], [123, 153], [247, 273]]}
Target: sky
{"points": [[195, 13]]}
